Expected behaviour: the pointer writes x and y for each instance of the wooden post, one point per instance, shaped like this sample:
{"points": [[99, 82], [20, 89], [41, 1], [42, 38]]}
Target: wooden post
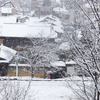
{"points": [[32, 73], [17, 68], [17, 65], [1, 41]]}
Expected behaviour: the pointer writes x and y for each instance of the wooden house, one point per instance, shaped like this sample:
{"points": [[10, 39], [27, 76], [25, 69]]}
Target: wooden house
{"points": [[6, 55], [16, 68], [18, 36]]}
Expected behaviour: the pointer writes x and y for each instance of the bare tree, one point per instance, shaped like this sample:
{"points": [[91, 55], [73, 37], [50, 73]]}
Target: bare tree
{"points": [[13, 90], [86, 50], [6, 2], [40, 53]]}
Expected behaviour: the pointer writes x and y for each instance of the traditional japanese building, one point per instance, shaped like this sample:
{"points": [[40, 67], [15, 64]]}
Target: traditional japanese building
{"points": [[6, 55]]}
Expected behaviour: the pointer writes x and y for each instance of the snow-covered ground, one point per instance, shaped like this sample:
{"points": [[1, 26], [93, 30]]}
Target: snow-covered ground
{"points": [[44, 89], [51, 90], [48, 90]]}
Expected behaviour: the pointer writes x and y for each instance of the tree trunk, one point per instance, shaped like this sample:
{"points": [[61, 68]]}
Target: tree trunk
{"points": [[98, 95], [99, 26], [32, 72]]}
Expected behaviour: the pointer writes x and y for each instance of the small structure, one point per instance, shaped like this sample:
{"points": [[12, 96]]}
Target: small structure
{"points": [[6, 55], [59, 66], [71, 66], [58, 69], [5, 11], [23, 19]]}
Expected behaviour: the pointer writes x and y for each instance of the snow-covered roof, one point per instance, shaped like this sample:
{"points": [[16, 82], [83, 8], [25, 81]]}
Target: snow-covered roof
{"points": [[34, 27], [49, 72], [22, 65], [55, 22], [70, 62], [6, 53], [47, 20], [7, 19], [23, 30], [4, 61], [58, 64], [6, 10], [59, 9]]}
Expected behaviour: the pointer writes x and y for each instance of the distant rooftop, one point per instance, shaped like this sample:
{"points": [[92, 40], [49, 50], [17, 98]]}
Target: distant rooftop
{"points": [[6, 10], [22, 30], [48, 26], [58, 64]]}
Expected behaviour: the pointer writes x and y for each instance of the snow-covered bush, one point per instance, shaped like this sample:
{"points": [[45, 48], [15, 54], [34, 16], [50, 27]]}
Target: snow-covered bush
{"points": [[14, 90]]}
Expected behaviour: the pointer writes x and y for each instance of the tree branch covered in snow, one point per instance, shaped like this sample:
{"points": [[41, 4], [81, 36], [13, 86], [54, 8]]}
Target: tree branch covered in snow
{"points": [[15, 91], [7, 3], [85, 50], [40, 54]]}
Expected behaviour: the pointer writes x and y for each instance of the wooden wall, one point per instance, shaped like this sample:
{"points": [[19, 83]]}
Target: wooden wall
{"points": [[1, 41], [15, 42], [24, 72]]}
